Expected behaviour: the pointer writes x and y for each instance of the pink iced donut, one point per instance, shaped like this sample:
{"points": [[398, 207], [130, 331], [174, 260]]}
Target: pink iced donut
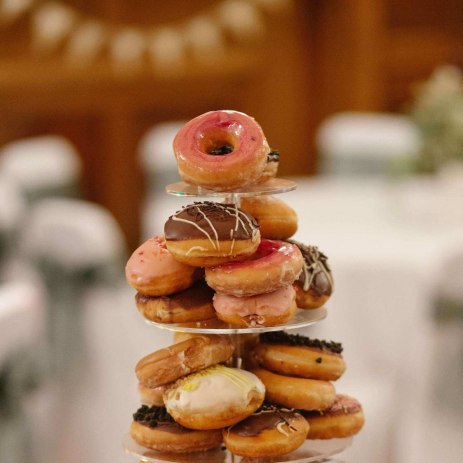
{"points": [[269, 309], [221, 150], [275, 264], [152, 270]]}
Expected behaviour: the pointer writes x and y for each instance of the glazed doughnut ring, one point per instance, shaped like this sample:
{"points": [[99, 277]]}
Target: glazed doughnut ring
{"points": [[277, 221], [274, 265], [221, 150], [300, 393], [151, 396], [297, 355], [168, 364], [193, 304]]}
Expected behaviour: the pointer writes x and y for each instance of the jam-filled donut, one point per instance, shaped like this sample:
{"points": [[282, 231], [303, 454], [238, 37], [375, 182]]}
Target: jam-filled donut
{"points": [[207, 233], [296, 355], [269, 432], [268, 309], [154, 428], [277, 221], [271, 166], [315, 283], [221, 150], [168, 364], [343, 419], [152, 270], [292, 392], [274, 265], [214, 398], [191, 305]]}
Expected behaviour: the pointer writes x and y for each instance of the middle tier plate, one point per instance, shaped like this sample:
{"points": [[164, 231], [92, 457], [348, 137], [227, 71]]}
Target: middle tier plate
{"points": [[302, 318]]}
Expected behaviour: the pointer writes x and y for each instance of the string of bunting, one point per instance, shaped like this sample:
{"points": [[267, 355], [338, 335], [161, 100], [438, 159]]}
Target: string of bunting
{"points": [[81, 39]]}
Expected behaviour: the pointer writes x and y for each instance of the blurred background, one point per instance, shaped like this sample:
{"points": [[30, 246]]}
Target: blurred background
{"points": [[364, 101]]}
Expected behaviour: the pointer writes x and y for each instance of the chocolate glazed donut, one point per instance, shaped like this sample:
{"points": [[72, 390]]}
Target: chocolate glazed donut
{"points": [[205, 234], [154, 428], [315, 283], [270, 431]]}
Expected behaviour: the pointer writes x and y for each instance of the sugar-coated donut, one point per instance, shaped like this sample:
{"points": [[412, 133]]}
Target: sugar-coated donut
{"points": [[277, 221], [168, 364], [343, 419], [151, 395], [296, 355], [191, 305], [271, 166], [268, 309], [292, 392], [221, 150], [269, 432], [154, 428], [315, 283], [274, 265], [214, 398], [152, 270], [208, 233]]}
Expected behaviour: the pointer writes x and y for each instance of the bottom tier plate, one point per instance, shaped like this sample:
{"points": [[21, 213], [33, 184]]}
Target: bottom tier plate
{"points": [[311, 451]]}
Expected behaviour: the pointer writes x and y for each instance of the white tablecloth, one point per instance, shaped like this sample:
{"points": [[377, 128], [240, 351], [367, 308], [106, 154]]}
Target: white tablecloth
{"points": [[386, 259]]}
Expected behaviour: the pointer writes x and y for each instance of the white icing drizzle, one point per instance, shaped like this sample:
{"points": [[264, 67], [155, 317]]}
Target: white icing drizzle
{"points": [[239, 216], [177, 219], [280, 428], [194, 248]]}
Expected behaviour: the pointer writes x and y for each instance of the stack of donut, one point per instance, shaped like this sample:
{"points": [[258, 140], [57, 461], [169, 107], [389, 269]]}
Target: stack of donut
{"points": [[234, 263], [298, 373]]}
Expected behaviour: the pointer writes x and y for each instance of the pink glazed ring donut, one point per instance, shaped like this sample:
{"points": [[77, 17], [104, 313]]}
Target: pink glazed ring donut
{"points": [[274, 265], [221, 150]]}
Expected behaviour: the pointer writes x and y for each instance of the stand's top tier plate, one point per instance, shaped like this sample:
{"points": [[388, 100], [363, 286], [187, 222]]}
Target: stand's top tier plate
{"points": [[271, 187]]}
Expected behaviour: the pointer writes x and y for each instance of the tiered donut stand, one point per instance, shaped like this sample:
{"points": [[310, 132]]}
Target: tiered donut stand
{"points": [[311, 450]]}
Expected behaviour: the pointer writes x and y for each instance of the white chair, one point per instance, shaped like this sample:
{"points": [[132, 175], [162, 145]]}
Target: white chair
{"points": [[157, 160], [362, 143], [42, 166]]}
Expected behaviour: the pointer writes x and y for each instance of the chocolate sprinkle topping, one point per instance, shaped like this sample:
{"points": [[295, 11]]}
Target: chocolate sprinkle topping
{"points": [[281, 337], [221, 150], [154, 416], [273, 156]]}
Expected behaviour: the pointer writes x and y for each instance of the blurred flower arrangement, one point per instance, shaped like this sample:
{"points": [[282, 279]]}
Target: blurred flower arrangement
{"points": [[438, 113]]}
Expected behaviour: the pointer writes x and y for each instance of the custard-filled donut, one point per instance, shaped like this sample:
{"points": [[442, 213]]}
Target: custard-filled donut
{"points": [[154, 428], [277, 221], [271, 166], [168, 364], [269, 432], [343, 419], [315, 283], [221, 150], [153, 271], [213, 398], [207, 233], [292, 392], [152, 395], [268, 309], [274, 265], [296, 355], [191, 305]]}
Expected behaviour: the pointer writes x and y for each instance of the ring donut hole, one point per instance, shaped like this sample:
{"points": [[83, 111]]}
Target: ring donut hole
{"points": [[217, 141]]}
